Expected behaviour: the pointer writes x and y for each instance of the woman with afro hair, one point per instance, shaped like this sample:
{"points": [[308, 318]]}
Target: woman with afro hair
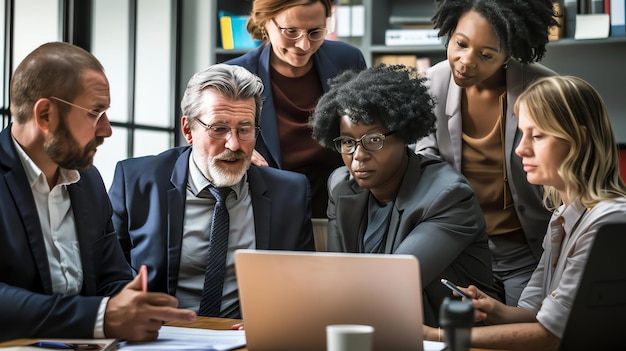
{"points": [[492, 50], [389, 200]]}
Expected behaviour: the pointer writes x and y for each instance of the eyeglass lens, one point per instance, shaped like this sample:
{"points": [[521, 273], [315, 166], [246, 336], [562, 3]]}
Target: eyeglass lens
{"points": [[370, 142]]}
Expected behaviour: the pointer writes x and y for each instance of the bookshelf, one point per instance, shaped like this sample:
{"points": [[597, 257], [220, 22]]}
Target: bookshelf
{"points": [[598, 61], [239, 7]]}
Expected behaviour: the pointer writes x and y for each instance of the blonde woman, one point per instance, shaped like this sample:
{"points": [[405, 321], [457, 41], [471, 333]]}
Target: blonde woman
{"points": [[567, 146]]}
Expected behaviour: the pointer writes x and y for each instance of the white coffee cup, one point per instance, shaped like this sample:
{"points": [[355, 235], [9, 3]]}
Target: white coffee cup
{"points": [[349, 337]]}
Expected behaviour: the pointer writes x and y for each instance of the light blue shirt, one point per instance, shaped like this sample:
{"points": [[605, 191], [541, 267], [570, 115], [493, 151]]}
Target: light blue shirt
{"points": [[196, 231]]}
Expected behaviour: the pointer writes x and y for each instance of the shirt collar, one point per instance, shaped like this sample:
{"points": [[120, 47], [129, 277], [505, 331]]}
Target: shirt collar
{"points": [[35, 174], [196, 181], [570, 215]]}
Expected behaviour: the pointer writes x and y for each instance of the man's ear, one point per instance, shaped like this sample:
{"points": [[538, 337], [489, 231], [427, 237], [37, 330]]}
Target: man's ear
{"points": [[185, 128], [44, 114]]}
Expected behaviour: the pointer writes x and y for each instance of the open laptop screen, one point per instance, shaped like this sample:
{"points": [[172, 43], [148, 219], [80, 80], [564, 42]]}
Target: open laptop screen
{"points": [[287, 298]]}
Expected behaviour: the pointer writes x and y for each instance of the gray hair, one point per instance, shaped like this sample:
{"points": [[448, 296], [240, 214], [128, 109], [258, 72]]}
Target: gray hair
{"points": [[233, 82]]}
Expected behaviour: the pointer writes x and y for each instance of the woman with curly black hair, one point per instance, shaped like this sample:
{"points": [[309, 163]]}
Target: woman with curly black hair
{"points": [[375, 205], [492, 49]]}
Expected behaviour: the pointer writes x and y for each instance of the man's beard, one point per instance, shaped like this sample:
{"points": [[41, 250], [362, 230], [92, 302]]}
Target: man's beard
{"points": [[64, 150], [227, 177]]}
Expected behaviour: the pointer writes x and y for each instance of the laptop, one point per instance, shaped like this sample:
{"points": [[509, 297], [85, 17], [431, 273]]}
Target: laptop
{"points": [[288, 298], [596, 320]]}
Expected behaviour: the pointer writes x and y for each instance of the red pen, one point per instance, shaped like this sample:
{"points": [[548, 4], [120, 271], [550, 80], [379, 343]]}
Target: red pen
{"points": [[143, 272]]}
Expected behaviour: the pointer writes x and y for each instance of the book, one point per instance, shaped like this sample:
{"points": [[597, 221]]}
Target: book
{"points": [[234, 32], [618, 17], [597, 6], [570, 10], [592, 26], [395, 37]]}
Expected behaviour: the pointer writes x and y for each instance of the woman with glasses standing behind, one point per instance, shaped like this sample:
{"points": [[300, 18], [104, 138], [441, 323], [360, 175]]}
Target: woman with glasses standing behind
{"points": [[376, 206], [295, 63]]}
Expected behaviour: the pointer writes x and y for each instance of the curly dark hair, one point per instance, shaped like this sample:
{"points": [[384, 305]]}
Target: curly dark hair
{"points": [[393, 95], [521, 25]]}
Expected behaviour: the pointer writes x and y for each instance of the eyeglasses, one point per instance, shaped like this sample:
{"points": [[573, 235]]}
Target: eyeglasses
{"points": [[295, 34], [370, 142], [94, 114], [220, 132]]}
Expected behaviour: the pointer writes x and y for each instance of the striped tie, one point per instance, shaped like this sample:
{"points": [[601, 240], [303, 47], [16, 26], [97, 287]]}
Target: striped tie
{"points": [[211, 300]]}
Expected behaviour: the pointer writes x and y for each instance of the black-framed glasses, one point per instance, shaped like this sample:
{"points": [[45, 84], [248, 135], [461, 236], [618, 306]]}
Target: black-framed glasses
{"points": [[95, 114], [295, 33], [370, 142], [221, 132]]}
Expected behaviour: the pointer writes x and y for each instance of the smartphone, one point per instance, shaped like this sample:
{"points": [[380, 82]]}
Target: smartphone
{"points": [[453, 287]]}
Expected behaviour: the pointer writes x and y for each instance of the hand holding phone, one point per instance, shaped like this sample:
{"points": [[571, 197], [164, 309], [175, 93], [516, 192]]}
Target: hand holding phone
{"points": [[453, 287]]}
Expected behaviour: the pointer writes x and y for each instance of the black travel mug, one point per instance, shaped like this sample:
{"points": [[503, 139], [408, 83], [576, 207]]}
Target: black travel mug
{"points": [[456, 317]]}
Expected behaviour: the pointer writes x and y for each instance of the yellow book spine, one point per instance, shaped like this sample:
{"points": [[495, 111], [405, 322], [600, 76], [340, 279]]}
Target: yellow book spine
{"points": [[227, 33]]}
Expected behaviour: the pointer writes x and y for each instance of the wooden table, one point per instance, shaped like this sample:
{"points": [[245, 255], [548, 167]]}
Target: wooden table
{"points": [[201, 322]]}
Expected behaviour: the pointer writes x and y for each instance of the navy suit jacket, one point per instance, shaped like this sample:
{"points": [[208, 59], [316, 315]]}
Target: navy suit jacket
{"points": [[28, 307], [148, 197], [330, 59]]}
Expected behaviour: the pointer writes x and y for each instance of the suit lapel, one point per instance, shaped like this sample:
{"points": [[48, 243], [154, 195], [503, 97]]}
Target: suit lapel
{"points": [[21, 194], [261, 205], [405, 191], [351, 220], [268, 122], [82, 208], [455, 122], [175, 214]]}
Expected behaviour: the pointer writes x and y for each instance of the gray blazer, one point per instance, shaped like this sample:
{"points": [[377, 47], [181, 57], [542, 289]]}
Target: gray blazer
{"points": [[447, 141], [436, 218]]}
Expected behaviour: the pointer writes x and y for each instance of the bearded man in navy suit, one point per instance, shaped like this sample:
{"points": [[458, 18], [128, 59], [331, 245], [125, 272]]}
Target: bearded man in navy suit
{"points": [[62, 272], [163, 213]]}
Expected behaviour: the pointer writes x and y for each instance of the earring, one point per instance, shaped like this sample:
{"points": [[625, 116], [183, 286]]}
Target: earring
{"points": [[505, 66]]}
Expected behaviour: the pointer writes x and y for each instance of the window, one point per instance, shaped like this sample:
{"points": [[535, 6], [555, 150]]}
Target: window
{"points": [[136, 42]]}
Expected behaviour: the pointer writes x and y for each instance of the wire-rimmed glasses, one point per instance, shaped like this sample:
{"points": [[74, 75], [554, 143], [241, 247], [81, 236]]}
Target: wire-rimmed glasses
{"points": [[370, 142], [295, 33], [220, 131], [93, 113]]}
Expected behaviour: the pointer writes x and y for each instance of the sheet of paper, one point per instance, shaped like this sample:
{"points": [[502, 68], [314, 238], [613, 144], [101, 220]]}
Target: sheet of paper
{"points": [[434, 346], [177, 338]]}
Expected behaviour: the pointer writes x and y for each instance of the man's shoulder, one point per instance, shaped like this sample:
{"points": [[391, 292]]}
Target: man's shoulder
{"points": [[150, 161], [276, 174]]}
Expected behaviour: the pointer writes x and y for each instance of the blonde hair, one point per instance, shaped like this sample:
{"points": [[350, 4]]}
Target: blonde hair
{"points": [[569, 108], [265, 10]]}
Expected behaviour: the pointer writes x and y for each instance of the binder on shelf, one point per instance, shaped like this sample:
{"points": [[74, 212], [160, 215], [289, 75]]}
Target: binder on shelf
{"points": [[618, 17], [234, 32], [570, 10], [597, 6], [592, 26], [396, 37]]}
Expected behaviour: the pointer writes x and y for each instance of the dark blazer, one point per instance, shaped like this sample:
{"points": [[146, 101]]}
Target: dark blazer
{"points": [[435, 217], [28, 307], [148, 197], [330, 59]]}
